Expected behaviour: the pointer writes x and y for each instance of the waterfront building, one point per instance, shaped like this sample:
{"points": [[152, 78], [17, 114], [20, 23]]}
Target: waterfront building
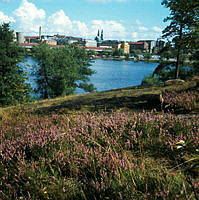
{"points": [[125, 47], [109, 43], [142, 46], [90, 43], [151, 44]]}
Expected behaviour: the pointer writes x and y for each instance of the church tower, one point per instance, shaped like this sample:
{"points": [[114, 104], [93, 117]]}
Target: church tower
{"points": [[102, 35], [99, 38]]}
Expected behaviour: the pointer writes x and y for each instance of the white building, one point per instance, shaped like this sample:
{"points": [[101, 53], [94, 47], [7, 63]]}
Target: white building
{"points": [[90, 43]]}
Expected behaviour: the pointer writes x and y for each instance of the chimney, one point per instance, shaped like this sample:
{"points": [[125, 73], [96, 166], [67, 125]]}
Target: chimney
{"points": [[40, 32]]}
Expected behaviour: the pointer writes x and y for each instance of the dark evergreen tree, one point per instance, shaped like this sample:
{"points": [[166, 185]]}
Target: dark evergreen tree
{"points": [[13, 88], [183, 19], [62, 70]]}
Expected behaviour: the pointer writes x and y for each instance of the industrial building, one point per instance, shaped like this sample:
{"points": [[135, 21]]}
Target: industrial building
{"points": [[20, 37]]}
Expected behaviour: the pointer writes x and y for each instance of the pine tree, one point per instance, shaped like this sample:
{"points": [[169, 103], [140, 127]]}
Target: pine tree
{"points": [[12, 79], [183, 19]]}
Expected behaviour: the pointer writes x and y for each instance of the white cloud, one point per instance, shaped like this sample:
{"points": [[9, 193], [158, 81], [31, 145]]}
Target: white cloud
{"points": [[29, 17], [134, 35], [138, 22], [145, 35], [156, 29], [80, 28], [112, 29], [59, 22], [5, 18], [140, 32], [142, 28]]}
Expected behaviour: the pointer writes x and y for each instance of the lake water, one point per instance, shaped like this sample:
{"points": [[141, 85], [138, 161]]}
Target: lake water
{"points": [[110, 74], [113, 74]]}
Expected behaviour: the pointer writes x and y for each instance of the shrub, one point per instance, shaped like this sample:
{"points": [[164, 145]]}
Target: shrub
{"points": [[97, 156], [150, 80]]}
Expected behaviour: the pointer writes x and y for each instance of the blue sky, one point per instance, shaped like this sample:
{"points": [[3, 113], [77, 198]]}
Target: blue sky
{"points": [[129, 20]]}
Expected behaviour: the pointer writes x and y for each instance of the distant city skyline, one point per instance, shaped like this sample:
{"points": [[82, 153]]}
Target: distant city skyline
{"points": [[130, 20]]}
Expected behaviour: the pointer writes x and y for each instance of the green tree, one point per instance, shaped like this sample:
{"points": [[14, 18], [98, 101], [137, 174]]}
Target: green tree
{"points": [[13, 88], [195, 49], [168, 51], [118, 52], [195, 64], [183, 19], [147, 55], [62, 70], [136, 53]]}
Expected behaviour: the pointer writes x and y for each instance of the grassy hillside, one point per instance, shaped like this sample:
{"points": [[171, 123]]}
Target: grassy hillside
{"points": [[119, 144]]}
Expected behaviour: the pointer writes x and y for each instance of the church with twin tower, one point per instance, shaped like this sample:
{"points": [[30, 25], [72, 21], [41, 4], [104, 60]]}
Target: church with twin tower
{"points": [[99, 38]]}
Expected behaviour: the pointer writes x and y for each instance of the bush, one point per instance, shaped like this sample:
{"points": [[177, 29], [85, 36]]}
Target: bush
{"points": [[150, 80]]}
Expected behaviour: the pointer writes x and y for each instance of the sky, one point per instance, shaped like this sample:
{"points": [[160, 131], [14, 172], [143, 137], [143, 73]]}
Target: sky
{"points": [[127, 20]]}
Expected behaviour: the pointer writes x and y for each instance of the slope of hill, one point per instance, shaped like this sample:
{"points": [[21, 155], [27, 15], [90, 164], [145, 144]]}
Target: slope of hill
{"points": [[119, 144]]}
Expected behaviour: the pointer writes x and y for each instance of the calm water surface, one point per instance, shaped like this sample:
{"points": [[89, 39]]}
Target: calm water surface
{"points": [[110, 74]]}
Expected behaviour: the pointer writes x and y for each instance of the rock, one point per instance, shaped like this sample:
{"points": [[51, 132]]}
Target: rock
{"points": [[155, 100], [174, 82]]}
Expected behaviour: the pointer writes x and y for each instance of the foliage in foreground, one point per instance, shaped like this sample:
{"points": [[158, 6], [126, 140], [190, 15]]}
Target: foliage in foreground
{"points": [[99, 156]]}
